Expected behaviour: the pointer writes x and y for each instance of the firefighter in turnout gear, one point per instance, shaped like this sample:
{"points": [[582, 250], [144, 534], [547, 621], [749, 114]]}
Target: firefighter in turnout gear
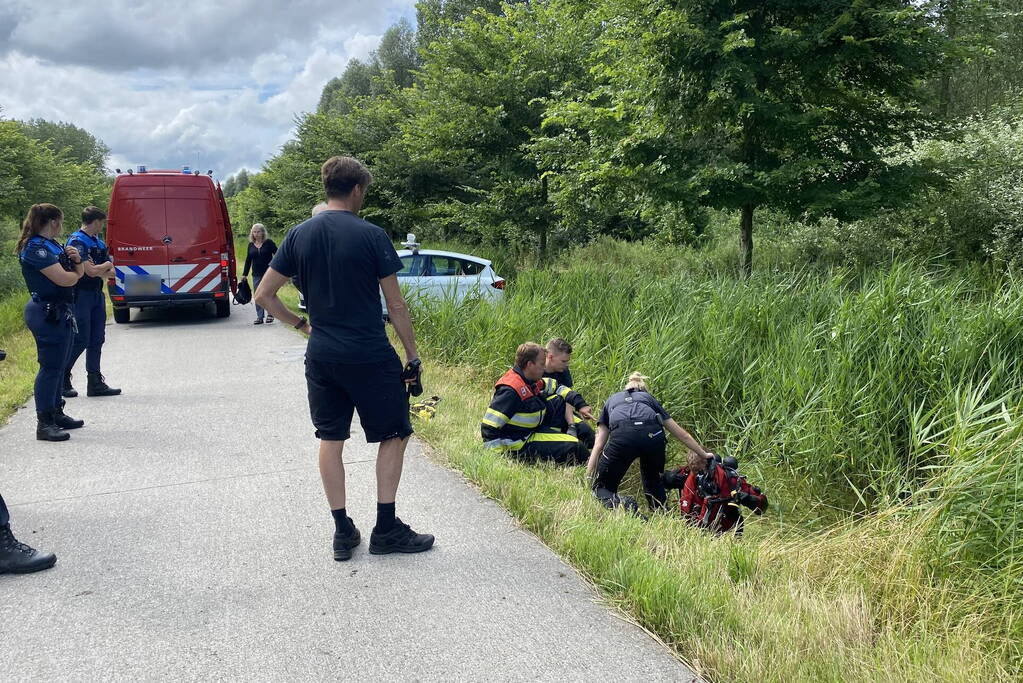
{"points": [[514, 422], [559, 355]]}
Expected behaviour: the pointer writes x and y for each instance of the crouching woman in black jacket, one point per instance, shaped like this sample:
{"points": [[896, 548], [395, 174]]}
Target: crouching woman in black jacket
{"points": [[632, 425]]}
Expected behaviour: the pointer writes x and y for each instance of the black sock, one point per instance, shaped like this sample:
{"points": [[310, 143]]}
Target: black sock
{"points": [[342, 523], [385, 517]]}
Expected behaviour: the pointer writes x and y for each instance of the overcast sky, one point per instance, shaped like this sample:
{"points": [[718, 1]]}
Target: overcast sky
{"points": [[213, 84]]}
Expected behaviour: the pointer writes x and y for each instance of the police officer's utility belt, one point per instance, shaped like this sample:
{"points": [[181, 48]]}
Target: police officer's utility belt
{"points": [[62, 299], [634, 423]]}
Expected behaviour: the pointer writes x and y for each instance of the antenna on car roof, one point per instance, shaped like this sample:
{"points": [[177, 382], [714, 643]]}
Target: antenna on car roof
{"points": [[410, 243]]}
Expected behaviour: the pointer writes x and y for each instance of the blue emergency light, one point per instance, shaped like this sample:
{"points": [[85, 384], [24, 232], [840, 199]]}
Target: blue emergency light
{"points": [[186, 171]]}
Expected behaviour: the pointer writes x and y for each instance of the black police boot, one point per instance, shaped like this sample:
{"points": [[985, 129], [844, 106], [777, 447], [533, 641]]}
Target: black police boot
{"points": [[18, 558], [68, 391], [344, 543], [400, 539], [98, 387], [47, 429], [65, 421]]}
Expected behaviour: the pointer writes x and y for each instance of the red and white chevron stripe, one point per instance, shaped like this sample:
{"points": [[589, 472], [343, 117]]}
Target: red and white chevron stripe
{"points": [[194, 278]]}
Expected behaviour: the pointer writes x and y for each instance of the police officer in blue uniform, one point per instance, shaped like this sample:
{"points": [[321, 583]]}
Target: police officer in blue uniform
{"points": [[90, 303], [50, 273]]}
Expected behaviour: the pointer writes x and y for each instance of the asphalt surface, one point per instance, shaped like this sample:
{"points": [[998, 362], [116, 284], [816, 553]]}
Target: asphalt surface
{"points": [[193, 541]]}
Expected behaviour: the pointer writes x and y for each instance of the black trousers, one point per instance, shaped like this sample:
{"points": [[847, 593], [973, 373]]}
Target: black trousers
{"points": [[626, 443], [5, 517]]}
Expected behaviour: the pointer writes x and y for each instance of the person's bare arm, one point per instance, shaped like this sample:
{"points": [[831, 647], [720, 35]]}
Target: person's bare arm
{"points": [[266, 296], [397, 310], [684, 436], [598, 447]]}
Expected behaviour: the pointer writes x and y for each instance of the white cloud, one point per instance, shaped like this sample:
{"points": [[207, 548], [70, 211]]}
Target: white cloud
{"points": [[169, 82]]}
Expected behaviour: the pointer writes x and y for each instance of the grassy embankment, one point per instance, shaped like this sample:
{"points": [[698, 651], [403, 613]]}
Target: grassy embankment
{"points": [[883, 414]]}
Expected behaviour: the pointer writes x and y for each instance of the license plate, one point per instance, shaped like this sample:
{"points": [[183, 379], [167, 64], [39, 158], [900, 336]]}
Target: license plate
{"points": [[142, 285]]}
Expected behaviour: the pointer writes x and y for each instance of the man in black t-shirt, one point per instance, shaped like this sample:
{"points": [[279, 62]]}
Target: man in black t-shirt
{"points": [[343, 262]]}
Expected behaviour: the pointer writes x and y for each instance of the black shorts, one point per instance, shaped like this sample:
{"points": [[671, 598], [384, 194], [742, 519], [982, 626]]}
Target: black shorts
{"points": [[376, 390]]}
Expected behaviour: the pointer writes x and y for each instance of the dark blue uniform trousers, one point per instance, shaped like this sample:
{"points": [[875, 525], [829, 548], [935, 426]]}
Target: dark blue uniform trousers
{"points": [[53, 346], [91, 316]]}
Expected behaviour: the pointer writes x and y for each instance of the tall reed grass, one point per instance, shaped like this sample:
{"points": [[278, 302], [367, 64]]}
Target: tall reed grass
{"points": [[894, 394]]}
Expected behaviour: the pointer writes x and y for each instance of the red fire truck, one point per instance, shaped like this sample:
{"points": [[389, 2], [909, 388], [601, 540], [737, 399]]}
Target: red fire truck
{"points": [[170, 239]]}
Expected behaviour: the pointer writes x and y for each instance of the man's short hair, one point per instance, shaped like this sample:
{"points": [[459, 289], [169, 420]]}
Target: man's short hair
{"points": [[92, 213], [527, 353], [559, 345], [341, 174]]}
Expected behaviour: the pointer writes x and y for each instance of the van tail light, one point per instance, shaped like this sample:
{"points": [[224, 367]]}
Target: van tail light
{"points": [[219, 295], [223, 263], [117, 298], [497, 284]]}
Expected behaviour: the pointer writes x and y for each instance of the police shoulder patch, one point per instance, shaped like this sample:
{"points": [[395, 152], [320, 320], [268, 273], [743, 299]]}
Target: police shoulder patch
{"points": [[41, 253]]}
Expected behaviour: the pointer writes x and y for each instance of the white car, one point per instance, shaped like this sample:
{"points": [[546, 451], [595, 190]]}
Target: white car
{"points": [[447, 275]]}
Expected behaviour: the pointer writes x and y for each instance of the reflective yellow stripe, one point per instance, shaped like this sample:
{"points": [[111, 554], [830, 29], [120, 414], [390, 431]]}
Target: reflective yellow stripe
{"points": [[511, 446], [495, 418], [527, 420], [552, 436], [551, 385]]}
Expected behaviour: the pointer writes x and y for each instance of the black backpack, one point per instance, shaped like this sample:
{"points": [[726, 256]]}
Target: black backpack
{"points": [[244, 293]]}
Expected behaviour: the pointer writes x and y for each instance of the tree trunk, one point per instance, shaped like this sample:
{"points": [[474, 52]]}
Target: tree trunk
{"points": [[945, 85], [746, 240], [543, 219]]}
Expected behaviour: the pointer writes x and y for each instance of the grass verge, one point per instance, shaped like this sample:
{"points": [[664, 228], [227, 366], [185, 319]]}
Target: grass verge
{"points": [[18, 372], [854, 602]]}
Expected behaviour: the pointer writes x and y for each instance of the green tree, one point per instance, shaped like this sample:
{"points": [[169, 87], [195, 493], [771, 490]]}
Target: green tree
{"points": [[792, 104], [436, 19], [340, 93], [989, 34], [67, 139], [236, 183], [398, 53], [479, 102]]}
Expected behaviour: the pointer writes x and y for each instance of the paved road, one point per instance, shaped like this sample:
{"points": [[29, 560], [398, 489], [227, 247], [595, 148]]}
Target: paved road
{"points": [[194, 541]]}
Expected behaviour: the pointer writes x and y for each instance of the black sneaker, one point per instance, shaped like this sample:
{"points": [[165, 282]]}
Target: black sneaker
{"points": [[18, 558], [400, 539], [344, 543]]}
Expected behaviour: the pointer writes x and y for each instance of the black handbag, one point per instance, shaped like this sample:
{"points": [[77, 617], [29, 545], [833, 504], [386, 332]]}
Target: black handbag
{"points": [[244, 293]]}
